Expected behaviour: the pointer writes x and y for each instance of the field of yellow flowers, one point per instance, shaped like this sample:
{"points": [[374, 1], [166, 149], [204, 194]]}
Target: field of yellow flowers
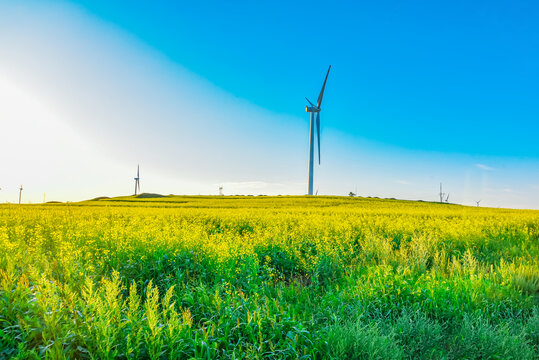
{"points": [[268, 277]]}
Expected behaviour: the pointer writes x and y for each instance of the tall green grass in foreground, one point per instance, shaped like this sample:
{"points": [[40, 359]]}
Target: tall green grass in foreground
{"points": [[268, 277]]}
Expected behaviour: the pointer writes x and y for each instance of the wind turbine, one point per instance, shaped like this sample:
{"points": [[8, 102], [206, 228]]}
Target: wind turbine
{"points": [[315, 109], [20, 193], [477, 202], [441, 194], [137, 180]]}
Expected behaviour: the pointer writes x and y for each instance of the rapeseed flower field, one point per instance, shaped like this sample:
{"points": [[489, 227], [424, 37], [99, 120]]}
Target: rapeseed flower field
{"points": [[268, 277]]}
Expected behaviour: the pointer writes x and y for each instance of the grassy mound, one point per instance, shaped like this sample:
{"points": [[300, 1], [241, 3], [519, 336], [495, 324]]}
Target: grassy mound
{"points": [[149, 196]]}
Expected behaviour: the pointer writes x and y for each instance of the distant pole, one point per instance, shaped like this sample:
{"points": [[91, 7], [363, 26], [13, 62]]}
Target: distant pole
{"points": [[20, 194], [441, 194]]}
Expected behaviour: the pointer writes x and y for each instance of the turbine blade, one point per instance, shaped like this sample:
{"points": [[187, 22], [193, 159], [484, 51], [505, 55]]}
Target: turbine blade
{"points": [[319, 103], [318, 133], [309, 101]]}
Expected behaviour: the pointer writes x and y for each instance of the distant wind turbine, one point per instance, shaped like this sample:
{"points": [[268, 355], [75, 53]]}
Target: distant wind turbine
{"points": [[20, 194], [315, 109], [477, 202], [441, 194], [137, 180]]}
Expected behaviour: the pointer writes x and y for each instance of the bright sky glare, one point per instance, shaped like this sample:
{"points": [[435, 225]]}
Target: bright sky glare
{"points": [[213, 94]]}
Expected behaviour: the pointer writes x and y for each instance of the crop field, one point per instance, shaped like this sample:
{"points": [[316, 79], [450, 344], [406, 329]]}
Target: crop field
{"points": [[268, 277]]}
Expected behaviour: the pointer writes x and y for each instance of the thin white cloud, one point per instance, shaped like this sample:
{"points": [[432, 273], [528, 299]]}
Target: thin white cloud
{"points": [[255, 187], [484, 167], [251, 184], [403, 182]]}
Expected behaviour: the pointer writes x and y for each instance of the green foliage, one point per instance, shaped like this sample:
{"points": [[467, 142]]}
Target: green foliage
{"points": [[478, 339], [357, 341], [278, 278], [419, 336]]}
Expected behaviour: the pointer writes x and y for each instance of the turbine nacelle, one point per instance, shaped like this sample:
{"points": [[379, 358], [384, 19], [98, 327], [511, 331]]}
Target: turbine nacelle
{"points": [[312, 108]]}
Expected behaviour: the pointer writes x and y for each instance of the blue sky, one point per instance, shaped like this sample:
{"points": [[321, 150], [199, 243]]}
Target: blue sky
{"points": [[208, 93], [449, 77]]}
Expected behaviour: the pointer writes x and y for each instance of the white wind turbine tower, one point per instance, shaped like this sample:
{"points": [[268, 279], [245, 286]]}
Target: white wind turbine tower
{"points": [[137, 180], [20, 194], [315, 109]]}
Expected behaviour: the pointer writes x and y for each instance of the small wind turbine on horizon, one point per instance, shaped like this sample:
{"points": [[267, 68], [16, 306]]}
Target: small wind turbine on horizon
{"points": [[20, 194], [314, 109], [137, 180], [477, 202], [442, 194]]}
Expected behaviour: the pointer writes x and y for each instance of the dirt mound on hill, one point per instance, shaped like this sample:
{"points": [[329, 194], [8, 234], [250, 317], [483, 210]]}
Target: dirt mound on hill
{"points": [[101, 198], [149, 195]]}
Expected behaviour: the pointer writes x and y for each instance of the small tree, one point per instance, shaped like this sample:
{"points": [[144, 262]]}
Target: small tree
{"points": [[351, 194]]}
